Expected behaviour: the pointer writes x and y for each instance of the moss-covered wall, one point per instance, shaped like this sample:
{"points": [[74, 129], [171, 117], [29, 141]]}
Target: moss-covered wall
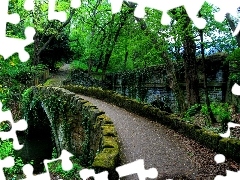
{"points": [[77, 125], [228, 147]]}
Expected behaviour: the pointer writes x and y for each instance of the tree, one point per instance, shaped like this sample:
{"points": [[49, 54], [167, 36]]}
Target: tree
{"points": [[213, 119], [46, 30], [189, 55]]}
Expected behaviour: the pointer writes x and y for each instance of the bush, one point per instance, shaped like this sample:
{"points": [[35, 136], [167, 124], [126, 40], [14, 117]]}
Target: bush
{"points": [[78, 65], [220, 111], [191, 112], [234, 60]]}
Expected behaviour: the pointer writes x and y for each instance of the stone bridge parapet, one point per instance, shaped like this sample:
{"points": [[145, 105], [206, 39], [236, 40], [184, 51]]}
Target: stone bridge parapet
{"points": [[77, 125]]}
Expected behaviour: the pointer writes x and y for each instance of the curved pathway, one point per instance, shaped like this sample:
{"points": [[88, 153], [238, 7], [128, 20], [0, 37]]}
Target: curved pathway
{"points": [[174, 156], [142, 139]]}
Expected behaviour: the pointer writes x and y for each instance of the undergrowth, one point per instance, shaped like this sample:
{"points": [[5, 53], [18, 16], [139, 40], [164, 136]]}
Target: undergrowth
{"points": [[221, 112]]}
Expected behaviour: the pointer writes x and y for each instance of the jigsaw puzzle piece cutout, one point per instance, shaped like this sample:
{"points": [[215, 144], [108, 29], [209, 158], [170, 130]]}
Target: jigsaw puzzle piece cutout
{"points": [[229, 175], [138, 168], [87, 173], [230, 125], [192, 9], [229, 7], [21, 125], [5, 163], [9, 46], [54, 15], [219, 158], [75, 3], [236, 89], [66, 166], [65, 160], [29, 5], [116, 6], [28, 171]]}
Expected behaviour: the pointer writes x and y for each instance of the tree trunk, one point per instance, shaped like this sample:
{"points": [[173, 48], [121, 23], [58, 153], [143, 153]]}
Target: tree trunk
{"points": [[174, 85], [213, 119], [36, 57], [191, 78], [112, 44], [39, 46], [189, 57], [125, 59]]}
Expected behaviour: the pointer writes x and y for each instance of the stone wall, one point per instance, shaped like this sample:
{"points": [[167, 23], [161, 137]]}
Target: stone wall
{"points": [[152, 83], [77, 125]]}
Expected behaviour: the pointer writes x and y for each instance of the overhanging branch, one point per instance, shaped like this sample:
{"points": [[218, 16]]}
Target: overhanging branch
{"points": [[58, 31]]}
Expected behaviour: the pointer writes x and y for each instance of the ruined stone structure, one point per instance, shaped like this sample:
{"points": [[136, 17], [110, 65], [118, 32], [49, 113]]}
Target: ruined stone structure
{"points": [[152, 83]]}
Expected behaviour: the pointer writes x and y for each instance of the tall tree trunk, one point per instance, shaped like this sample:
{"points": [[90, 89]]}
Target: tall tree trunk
{"points": [[125, 59], [36, 57], [174, 85], [113, 42], [99, 65], [189, 57], [213, 119]]}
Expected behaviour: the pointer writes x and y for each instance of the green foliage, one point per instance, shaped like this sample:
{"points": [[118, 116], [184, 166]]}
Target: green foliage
{"points": [[6, 149], [78, 65], [58, 51], [191, 112], [220, 111], [234, 61]]}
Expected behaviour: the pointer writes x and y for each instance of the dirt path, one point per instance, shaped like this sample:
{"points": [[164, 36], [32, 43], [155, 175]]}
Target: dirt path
{"points": [[58, 78], [143, 139]]}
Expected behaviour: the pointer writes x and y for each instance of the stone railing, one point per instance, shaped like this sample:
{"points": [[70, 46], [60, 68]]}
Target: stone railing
{"points": [[77, 125], [228, 146]]}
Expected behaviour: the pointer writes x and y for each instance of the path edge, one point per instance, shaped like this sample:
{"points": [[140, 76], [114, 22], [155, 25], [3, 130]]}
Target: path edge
{"points": [[228, 146]]}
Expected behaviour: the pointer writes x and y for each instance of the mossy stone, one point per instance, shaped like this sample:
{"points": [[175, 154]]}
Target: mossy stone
{"points": [[109, 130], [107, 159]]}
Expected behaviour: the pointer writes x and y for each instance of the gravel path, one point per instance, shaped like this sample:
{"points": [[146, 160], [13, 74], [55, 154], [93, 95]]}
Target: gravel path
{"points": [[174, 155], [142, 139], [58, 77]]}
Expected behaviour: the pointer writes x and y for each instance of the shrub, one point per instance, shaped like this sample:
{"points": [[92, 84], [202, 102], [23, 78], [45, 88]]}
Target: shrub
{"points": [[191, 112], [220, 111], [78, 65], [233, 60]]}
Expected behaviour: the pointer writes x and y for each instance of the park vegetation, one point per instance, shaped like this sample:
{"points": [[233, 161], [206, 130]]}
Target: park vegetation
{"points": [[97, 42]]}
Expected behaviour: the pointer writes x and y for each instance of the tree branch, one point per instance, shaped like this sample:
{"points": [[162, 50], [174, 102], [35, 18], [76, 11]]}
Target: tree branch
{"points": [[58, 31]]}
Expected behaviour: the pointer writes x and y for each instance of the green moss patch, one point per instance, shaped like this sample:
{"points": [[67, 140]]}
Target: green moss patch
{"points": [[109, 142], [109, 130], [107, 159], [105, 119]]}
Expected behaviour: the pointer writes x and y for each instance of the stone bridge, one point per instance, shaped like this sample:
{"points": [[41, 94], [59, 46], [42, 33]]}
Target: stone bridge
{"points": [[74, 124], [81, 128]]}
